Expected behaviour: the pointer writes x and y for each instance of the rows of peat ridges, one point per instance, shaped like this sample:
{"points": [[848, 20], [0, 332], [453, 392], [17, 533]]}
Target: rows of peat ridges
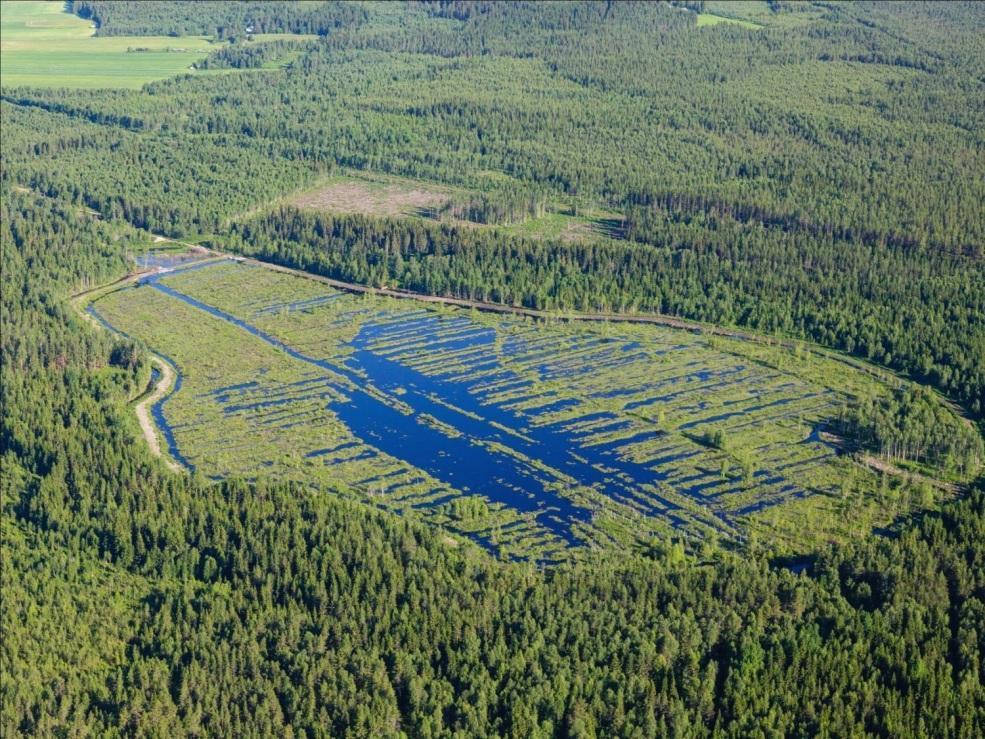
{"points": [[538, 440]]}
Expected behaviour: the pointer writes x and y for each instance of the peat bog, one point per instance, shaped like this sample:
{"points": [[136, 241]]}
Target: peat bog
{"points": [[539, 440]]}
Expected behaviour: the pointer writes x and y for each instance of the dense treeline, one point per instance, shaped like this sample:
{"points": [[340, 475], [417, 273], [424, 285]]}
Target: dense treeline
{"points": [[239, 609], [912, 425], [924, 315], [858, 124], [249, 56], [215, 18], [173, 185], [818, 178]]}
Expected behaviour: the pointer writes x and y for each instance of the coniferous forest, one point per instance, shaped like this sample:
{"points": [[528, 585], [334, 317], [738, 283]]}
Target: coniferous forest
{"points": [[807, 171]]}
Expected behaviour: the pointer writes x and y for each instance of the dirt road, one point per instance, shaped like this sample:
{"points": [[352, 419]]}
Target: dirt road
{"points": [[160, 389], [143, 408]]}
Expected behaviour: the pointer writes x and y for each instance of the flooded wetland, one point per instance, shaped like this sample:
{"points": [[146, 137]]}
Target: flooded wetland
{"points": [[536, 439]]}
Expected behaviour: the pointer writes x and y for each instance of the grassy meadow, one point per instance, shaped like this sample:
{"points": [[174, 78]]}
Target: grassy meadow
{"points": [[710, 19], [757, 14]]}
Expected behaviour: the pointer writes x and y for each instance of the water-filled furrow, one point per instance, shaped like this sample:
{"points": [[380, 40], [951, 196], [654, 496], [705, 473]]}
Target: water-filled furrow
{"points": [[552, 447], [157, 411], [433, 392], [495, 475], [740, 412]]}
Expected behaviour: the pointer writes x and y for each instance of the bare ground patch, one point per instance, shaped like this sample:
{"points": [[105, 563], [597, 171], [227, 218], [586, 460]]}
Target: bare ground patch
{"points": [[143, 409], [578, 233], [374, 198]]}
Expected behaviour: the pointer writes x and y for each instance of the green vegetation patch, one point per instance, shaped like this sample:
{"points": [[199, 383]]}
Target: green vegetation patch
{"points": [[570, 225], [502, 206], [710, 19], [759, 13], [43, 46]]}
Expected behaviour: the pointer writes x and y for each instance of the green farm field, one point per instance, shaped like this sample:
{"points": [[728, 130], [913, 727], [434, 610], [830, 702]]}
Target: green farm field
{"points": [[43, 46], [581, 437]]}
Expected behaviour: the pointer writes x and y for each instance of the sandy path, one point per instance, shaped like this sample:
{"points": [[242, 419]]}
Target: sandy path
{"points": [[162, 388], [143, 408]]}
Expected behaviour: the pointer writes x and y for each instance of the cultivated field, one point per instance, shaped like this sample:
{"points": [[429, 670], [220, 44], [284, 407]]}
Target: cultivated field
{"points": [[44, 46], [538, 440]]}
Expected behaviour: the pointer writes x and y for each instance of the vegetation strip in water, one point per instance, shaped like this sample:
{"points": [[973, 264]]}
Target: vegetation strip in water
{"points": [[535, 439]]}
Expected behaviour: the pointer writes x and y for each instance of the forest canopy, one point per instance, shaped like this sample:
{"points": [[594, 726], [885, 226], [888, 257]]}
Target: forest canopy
{"points": [[214, 17], [849, 216], [814, 174]]}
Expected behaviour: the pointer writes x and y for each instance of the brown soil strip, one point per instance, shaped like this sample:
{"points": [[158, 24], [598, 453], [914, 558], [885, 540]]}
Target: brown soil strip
{"points": [[143, 408], [380, 199]]}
